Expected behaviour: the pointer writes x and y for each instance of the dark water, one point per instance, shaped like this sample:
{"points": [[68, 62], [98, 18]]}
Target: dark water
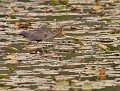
{"points": [[83, 58]]}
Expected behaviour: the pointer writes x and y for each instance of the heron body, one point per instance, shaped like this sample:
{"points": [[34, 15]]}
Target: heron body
{"points": [[41, 34], [36, 35]]}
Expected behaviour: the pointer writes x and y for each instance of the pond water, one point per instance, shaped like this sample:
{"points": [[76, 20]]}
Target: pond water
{"points": [[84, 57]]}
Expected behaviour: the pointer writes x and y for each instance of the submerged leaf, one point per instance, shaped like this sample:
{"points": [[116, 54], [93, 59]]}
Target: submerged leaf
{"points": [[11, 57], [87, 86], [11, 66], [62, 84]]}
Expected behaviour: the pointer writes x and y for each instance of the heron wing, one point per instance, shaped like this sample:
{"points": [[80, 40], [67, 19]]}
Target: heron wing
{"points": [[36, 35]]}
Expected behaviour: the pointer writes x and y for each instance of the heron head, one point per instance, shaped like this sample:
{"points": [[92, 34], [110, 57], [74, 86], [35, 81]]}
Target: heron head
{"points": [[24, 33]]}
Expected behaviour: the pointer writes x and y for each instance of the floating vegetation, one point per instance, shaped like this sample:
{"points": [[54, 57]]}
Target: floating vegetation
{"points": [[11, 16], [22, 24], [10, 48], [85, 56], [4, 76], [56, 2]]}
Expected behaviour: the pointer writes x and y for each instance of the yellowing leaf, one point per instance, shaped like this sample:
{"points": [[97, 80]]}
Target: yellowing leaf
{"points": [[102, 46], [101, 77], [11, 48], [17, 24], [115, 21], [11, 57], [82, 43], [102, 71], [22, 24], [63, 33], [14, 9], [76, 38], [97, 7], [23, 40]]}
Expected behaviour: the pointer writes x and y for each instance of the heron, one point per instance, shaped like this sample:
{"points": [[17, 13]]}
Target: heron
{"points": [[42, 34]]}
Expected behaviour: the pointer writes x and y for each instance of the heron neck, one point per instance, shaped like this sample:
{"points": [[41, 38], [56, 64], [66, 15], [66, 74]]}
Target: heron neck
{"points": [[61, 29]]}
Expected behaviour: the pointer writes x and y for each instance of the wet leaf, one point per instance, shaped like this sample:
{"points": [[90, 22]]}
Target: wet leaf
{"points": [[11, 16], [25, 25], [101, 77], [82, 43], [11, 57], [11, 48], [75, 38], [63, 33], [113, 47], [102, 71], [12, 86], [102, 46], [114, 31], [97, 7], [14, 9], [17, 24], [115, 21], [62, 84], [23, 39], [22, 24]]}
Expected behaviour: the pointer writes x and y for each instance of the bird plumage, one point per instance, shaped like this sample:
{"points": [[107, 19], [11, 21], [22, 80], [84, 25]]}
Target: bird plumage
{"points": [[41, 34]]}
